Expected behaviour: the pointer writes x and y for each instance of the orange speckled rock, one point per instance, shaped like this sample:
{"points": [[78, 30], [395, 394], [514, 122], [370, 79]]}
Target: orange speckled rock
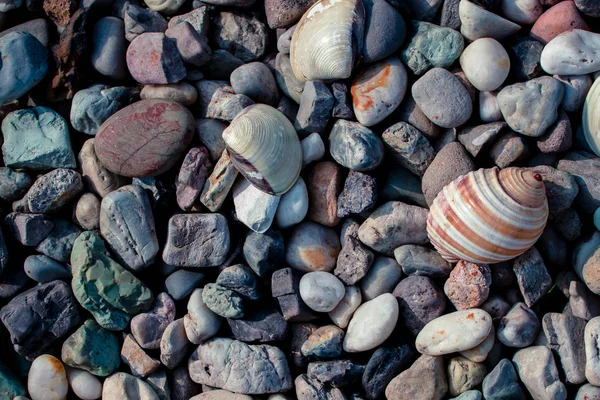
{"points": [[560, 18], [312, 247]]}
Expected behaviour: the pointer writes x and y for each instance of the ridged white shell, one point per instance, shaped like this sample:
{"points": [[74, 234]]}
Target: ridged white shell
{"points": [[265, 148], [591, 118], [488, 216], [328, 40]]}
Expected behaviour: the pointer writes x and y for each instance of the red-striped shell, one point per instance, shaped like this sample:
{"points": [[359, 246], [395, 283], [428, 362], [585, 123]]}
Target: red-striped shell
{"points": [[488, 216]]}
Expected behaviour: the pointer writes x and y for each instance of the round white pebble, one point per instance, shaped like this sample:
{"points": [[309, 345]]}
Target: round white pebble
{"points": [[485, 63], [85, 385], [321, 291], [47, 379], [372, 324]]}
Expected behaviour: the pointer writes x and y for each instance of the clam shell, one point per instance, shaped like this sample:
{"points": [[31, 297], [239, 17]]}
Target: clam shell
{"points": [[265, 148], [488, 216], [591, 118], [328, 40]]}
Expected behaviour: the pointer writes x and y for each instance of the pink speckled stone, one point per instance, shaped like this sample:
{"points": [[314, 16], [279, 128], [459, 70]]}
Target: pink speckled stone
{"points": [[144, 139], [153, 59], [560, 18]]}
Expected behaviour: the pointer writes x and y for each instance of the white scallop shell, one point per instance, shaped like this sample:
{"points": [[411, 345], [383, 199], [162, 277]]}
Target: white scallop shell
{"points": [[328, 40], [265, 148], [488, 216], [591, 117]]}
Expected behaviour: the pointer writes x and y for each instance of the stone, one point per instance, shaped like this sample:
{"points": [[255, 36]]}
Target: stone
{"points": [[192, 176], [583, 303], [587, 391], [152, 58], [240, 279], [262, 326], [341, 101], [222, 301], [558, 56], [343, 312], [532, 276], [13, 279], [420, 301], [264, 252], [198, 18], [489, 111], [313, 149], [285, 287], [402, 185], [94, 105], [316, 104], [355, 146], [558, 137], [125, 386], [423, 9], [588, 7], [372, 323], [383, 366], [13, 184], [28, 229], [569, 224], [219, 394], [293, 205], [425, 377], [433, 340], [592, 363], [200, 322], [431, 46], [382, 277], [299, 333], [174, 344], [286, 79], [191, 45], [109, 292], [524, 12], [132, 141], [10, 386], [39, 316], [385, 31], [187, 244], [253, 207], [565, 334], [181, 92], [411, 113], [96, 177], [92, 349], [537, 370], [139, 20], [47, 376], [210, 133], [469, 395], [449, 17], [109, 47], [378, 90], [181, 283], [256, 81], [43, 269], [420, 260], [321, 291], [59, 243], [85, 385], [502, 383], [408, 147], [324, 343], [525, 53], [477, 23], [221, 64], [51, 191], [560, 18], [358, 196], [312, 247], [183, 387], [468, 285], [582, 166], [308, 389], [479, 353], [136, 359], [576, 89], [242, 35], [479, 138], [281, 14], [485, 63], [464, 374], [24, 67], [159, 383], [353, 262], [265, 371], [561, 189], [225, 104], [219, 183], [519, 327], [289, 108], [336, 373]]}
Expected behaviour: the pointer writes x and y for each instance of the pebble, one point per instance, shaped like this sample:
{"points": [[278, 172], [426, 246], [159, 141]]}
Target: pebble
{"points": [[316, 105], [532, 276], [200, 322], [181, 92], [383, 366], [523, 12], [191, 45], [528, 112], [281, 14], [287, 81], [313, 148], [198, 18], [285, 287], [13, 184], [378, 90], [561, 189], [402, 185], [324, 343], [385, 31], [139, 20], [537, 370], [479, 138], [563, 55], [28, 229], [576, 89], [192, 177], [321, 291], [219, 183], [423, 9], [256, 81], [92, 349], [284, 42], [431, 46], [225, 104], [502, 383], [85, 385], [159, 383], [210, 133], [408, 147], [264, 252], [480, 352], [342, 313], [307, 388], [324, 183], [136, 359], [353, 261], [587, 391], [585, 261], [341, 101], [525, 53], [354, 146], [583, 167], [152, 58], [182, 385], [123, 296], [222, 301], [392, 225], [477, 22], [96, 177], [51, 192], [125, 386], [592, 363], [109, 47], [426, 378], [423, 261], [220, 66], [411, 113], [420, 302], [449, 17], [240, 279], [312, 247], [468, 285], [382, 277], [565, 334], [243, 35], [519, 327], [262, 325], [434, 339], [509, 149], [372, 323], [489, 110], [181, 283], [187, 245], [174, 344], [36, 138], [359, 194], [560, 18], [588, 7], [558, 137], [336, 373], [464, 375], [293, 205], [219, 394], [583, 303], [24, 65], [485, 63], [43, 269], [265, 369], [59, 243], [254, 208], [47, 379]]}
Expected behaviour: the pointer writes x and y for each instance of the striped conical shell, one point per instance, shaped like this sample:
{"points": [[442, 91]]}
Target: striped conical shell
{"points": [[488, 216]]}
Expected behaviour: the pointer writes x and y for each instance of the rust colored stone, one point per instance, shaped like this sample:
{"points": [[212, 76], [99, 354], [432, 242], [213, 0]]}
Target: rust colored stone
{"points": [[560, 18], [324, 182]]}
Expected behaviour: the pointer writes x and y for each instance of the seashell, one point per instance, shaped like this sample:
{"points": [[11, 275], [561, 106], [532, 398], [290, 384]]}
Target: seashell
{"points": [[328, 40], [591, 118], [265, 148], [488, 215]]}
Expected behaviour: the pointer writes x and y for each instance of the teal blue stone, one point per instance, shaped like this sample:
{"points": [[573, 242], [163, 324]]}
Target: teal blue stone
{"points": [[222, 301], [10, 386]]}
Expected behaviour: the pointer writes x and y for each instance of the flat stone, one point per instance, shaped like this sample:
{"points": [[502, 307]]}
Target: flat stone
{"points": [[425, 377], [138, 361], [519, 327], [464, 374], [383, 366], [382, 277], [312, 247], [468, 285], [321, 291], [532, 276], [244, 36], [219, 183], [423, 261], [200, 322], [372, 323], [359, 194], [253, 207], [336, 373], [324, 343], [191, 45], [122, 385], [502, 383], [565, 334], [537, 370], [259, 326], [420, 302], [51, 191], [479, 138]]}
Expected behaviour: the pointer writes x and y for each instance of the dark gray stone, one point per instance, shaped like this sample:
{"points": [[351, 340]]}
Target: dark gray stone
{"points": [[402, 185], [420, 302], [243, 35], [342, 107], [353, 262], [359, 194], [240, 279], [109, 46], [259, 326], [408, 147], [525, 55], [519, 327], [354, 146], [221, 64], [502, 383], [336, 373], [568, 224], [561, 189], [181, 283], [28, 229], [316, 105], [449, 17], [182, 385], [44, 269], [256, 81], [385, 30], [264, 252], [565, 336], [385, 364], [480, 138], [140, 20], [59, 242], [532, 276], [13, 184], [588, 7]]}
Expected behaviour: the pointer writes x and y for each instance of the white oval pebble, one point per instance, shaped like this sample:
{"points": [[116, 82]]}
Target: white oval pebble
{"points": [[480, 352], [454, 332], [575, 52], [200, 322], [47, 379], [524, 12], [485, 63], [293, 205], [372, 324], [489, 110], [85, 385], [122, 386], [321, 291], [342, 313]]}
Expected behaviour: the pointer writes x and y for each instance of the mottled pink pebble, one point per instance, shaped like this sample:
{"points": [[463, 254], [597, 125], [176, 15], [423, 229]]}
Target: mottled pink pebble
{"points": [[153, 59], [560, 18]]}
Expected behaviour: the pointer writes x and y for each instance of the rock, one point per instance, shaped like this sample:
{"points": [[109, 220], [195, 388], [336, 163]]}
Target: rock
{"points": [[47, 376], [307, 389], [392, 225], [97, 178], [336, 373], [423, 9], [561, 189], [281, 14], [39, 316], [509, 149], [558, 137], [221, 64], [524, 12], [353, 262], [587, 391], [264, 252], [13, 280], [378, 90], [382, 277], [217, 186], [226, 105], [256, 81], [372, 323], [51, 191], [426, 377], [576, 89], [324, 184], [313, 148], [10, 386], [222, 301], [585, 262], [132, 142], [293, 205], [125, 386], [109, 47], [560, 18], [464, 374], [139, 362], [582, 166], [449, 17], [537, 371], [410, 112], [563, 55], [341, 101], [265, 370], [174, 344], [210, 132], [402, 185], [431, 46], [479, 353], [286, 79], [285, 287], [355, 146], [181, 92], [383, 366], [342, 313], [321, 291], [92, 349], [59, 243], [420, 302], [240, 279], [479, 138], [502, 383], [324, 343], [533, 278], [588, 7], [13, 184], [434, 340], [468, 285], [85, 385], [262, 326], [525, 55], [592, 364], [24, 64], [408, 147], [477, 22], [254, 208], [43, 269], [198, 18], [183, 387], [187, 245], [191, 45], [152, 58], [219, 394], [419, 260], [140, 20], [565, 334], [181, 283], [316, 104], [200, 322], [242, 35], [122, 295], [312, 247], [159, 383], [28, 229], [192, 176], [519, 327], [384, 31], [485, 63], [583, 303]]}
